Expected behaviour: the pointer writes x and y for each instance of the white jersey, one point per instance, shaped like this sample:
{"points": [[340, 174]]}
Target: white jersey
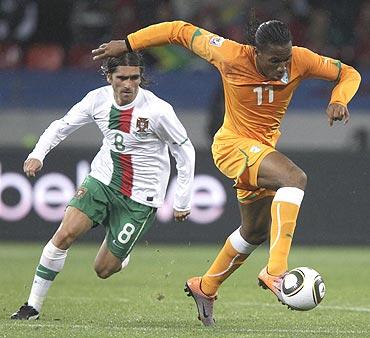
{"points": [[134, 156]]}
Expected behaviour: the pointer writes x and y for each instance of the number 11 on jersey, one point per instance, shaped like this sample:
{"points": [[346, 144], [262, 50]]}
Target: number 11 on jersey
{"points": [[259, 92]]}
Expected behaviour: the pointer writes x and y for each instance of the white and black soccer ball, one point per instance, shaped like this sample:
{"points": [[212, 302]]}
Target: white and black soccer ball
{"points": [[302, 289]]}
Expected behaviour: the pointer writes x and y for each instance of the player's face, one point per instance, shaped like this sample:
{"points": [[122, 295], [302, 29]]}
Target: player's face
{"points": [[125, 82], [273, 60]]}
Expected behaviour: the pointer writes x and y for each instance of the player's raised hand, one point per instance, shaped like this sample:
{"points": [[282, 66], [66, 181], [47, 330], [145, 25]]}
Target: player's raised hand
{"points": [[31, 166], [112, 48], [180, 215], [337, 112]]}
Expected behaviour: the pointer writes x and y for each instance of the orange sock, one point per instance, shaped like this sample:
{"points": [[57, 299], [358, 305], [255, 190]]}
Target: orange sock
{"points": [[284, 213], [230, 258], [227, 261]]}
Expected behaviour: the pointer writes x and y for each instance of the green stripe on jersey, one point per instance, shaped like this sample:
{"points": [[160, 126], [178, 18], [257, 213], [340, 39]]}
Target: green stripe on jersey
{"points": [[122, 176], [339, 65], [196, 34], [114, 115], [117, 174]]}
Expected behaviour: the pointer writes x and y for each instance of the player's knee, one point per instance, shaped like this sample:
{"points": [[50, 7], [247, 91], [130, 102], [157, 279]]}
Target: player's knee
{"points": [[301, 180], [295, 177], [63, 238], [103, 273]]}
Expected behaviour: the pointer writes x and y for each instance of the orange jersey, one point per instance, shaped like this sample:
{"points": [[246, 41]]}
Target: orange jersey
{"points": [[254, 105]]}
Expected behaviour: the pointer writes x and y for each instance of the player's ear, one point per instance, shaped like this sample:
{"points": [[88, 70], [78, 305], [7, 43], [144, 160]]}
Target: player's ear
{"points": [[109, 78]]}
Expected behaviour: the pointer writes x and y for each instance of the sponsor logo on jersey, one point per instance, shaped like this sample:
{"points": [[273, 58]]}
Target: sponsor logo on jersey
{"points": [[80, 192], [216, 41], [142, 125]]}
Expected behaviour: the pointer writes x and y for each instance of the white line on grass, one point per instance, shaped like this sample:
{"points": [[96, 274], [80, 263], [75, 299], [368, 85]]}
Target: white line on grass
{"points": [[345, 308], [89, 299], [295, 331], [323, 307], [238, 330]]}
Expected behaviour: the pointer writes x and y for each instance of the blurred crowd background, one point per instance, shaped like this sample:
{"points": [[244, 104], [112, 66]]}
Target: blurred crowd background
{"points": [[46, 67], [46, 63], [51, 34]]}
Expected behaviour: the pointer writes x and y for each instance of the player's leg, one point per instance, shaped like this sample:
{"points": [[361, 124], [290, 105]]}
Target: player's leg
{"points": [[128, 221], [54, 254], [235, 161], [106, 264], [240, 244], [87, 208], [74, 224], [237, 248], [279, 173]]}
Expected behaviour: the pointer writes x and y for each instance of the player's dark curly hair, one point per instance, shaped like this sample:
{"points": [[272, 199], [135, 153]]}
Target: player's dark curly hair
{"points": [[273, 32], [110, 64]]}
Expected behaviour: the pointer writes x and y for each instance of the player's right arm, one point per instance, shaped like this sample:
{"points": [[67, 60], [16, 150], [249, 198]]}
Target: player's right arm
{"points": [[57, 131], [205, 44]]}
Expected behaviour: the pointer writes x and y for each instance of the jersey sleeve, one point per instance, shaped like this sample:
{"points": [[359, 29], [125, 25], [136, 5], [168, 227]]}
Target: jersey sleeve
{"points": [[312, 65], [172, 132], [347, 86], [207, 45], [79, 115]]}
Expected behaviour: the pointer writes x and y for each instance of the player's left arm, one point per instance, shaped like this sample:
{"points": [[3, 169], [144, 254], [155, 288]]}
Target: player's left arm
{"points": [[346, 87], [174, 134], [346, 78]]}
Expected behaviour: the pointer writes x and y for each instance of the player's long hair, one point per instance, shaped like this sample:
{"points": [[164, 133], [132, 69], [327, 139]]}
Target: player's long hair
{"points": [[273, 32], [135, 59]]}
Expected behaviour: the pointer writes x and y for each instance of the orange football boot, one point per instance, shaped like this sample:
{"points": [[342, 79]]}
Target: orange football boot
{"points": [[204, 303], [273, 283]]}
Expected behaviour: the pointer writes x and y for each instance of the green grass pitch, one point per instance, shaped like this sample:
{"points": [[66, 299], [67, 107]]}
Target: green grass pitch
{"points": [[147, 299]]}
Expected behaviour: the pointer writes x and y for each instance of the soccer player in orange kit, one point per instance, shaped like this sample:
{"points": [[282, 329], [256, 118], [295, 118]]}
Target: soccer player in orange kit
{"points": [[259, 81]]}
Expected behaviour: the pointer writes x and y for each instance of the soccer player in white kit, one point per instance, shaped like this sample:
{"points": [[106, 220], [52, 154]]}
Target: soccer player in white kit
{"points": [[128, 177]]}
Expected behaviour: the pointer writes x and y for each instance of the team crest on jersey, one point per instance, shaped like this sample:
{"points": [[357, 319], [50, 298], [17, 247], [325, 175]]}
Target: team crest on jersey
{"points": [[216, 41], [255, 149], [142, 125], [80, 192]]}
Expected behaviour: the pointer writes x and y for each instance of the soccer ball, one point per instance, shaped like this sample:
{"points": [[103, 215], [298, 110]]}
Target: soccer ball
{"points": [[302, 289]]}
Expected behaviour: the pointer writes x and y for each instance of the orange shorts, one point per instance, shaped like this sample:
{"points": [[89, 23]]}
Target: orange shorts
{"points": [[239, 159]]}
